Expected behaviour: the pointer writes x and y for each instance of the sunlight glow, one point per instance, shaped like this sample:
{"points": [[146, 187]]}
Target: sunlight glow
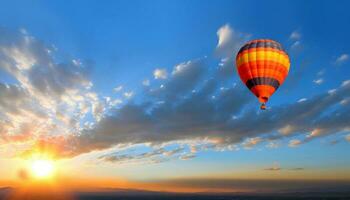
{"points": [[42, 168]]}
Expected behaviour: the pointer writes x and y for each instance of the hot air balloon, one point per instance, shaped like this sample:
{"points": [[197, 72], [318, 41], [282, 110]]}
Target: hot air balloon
{"points": [[263, 66]]}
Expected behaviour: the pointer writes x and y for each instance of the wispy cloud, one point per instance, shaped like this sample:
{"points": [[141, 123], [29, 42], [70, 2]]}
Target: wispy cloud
{"points": [[296, 45], [160, 74], [251, 142], [273, 144], [156, 155], [187, 156], [345, 101], [318, 81], [342, 59], [229, 43], [294, 143], [302, 100], [129, 94], [295, 38], [295, 35], [186, 120], [345, 83], [118, 88], [48, 98]]}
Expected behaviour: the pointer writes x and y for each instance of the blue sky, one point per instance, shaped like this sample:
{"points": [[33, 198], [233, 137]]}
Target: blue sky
{"points": [[139, 36], [105, 45]]}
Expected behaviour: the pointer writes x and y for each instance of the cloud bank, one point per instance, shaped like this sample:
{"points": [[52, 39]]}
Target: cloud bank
{"points": [[51, 104]]}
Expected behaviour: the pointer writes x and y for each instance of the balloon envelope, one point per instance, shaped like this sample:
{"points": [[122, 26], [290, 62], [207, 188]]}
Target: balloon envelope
{"points": [[263, 66]]}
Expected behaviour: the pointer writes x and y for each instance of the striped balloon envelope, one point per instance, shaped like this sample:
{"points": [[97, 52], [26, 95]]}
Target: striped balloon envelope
{"points": [[263, 66]]}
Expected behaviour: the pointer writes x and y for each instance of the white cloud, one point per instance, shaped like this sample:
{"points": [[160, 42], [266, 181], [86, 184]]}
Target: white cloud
{"points": [[118, 88], [116, 102], [342, 59], [97, 110], [128, 95], [155, 155], [160, 74], [345, 101], [49, 98], [318, 81], [273, 144], [225, 34], [295, 35], [229, 43], [77, 62], [184, 120], [332, 91], [113, 102], [345, 83], [302, 100], [172, 115], [22, 58], [296, 45]]}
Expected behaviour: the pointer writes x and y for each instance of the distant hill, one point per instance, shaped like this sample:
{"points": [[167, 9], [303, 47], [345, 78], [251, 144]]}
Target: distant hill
{"points": [[5, 191], [133, 194], [121, 191]]}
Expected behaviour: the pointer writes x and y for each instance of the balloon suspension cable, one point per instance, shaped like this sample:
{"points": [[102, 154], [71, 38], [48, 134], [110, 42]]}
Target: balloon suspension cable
{"points": [[263, 106]]}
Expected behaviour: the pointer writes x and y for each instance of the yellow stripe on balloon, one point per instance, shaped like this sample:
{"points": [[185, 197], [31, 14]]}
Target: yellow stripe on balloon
{"points": [[263, 55]]}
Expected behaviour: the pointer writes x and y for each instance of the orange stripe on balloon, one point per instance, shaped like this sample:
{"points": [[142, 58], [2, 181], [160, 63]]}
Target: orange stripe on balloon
{"points": [[253, 70], [264, 64]]}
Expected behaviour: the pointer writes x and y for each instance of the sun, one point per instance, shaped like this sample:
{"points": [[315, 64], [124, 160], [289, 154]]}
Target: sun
{"points": [[42, 169]]}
